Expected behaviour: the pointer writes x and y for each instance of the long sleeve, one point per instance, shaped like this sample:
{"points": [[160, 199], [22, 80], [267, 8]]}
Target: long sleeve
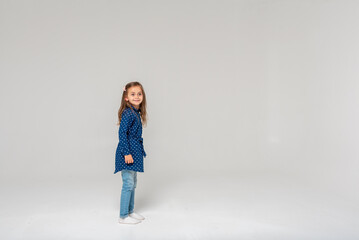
{"points": [[125, 124]]}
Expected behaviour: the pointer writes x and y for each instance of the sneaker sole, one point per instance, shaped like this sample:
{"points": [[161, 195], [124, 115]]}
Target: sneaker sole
{"points": [[137, 218], [129, 222]]}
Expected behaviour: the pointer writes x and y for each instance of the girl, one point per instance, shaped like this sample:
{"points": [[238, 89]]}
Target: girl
{"points": [[130, 151]]}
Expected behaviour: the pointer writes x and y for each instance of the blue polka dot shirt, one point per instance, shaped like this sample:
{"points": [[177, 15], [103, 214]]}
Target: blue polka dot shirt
{"points": [[130, 141]]}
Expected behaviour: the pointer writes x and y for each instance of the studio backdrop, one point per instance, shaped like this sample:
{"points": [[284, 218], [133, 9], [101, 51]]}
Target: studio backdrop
{"points": [[233, 88]]}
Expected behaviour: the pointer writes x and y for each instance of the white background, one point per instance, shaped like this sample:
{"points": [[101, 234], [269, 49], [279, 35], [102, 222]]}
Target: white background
{"points": [[237, 91]]}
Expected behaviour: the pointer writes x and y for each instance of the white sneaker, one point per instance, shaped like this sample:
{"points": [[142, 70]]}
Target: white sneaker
{"points": [[137, 216], [128, 220]]}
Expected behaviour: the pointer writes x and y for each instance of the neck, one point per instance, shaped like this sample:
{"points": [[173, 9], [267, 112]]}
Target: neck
{"points": [[136, 107]]}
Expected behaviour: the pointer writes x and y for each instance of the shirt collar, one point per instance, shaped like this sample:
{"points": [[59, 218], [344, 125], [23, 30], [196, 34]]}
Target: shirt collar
{"points": [[137, 110]]}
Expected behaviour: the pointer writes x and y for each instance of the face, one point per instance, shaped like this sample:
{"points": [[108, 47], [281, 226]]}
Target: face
{"points": [[134, 96]]}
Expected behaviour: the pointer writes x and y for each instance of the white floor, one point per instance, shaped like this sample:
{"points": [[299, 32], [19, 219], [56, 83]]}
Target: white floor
{"points": [[193, 208]]}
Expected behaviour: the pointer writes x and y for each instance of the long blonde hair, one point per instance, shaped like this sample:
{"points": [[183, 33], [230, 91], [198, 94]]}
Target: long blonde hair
{"points": [[125, 104]]}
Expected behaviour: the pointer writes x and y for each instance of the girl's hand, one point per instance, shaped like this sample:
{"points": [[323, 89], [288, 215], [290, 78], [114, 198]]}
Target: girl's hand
{"points": [[128, 159]]}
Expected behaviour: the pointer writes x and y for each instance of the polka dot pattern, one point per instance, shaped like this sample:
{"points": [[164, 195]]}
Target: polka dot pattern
{"points": [[130, 141]]}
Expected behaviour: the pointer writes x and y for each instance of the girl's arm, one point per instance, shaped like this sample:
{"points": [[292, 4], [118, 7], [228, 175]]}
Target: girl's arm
{"points": [[126, 122]]}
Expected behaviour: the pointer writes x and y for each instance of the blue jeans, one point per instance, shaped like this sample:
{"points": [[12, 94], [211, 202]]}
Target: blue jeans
{"points": [[129, 182]]}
